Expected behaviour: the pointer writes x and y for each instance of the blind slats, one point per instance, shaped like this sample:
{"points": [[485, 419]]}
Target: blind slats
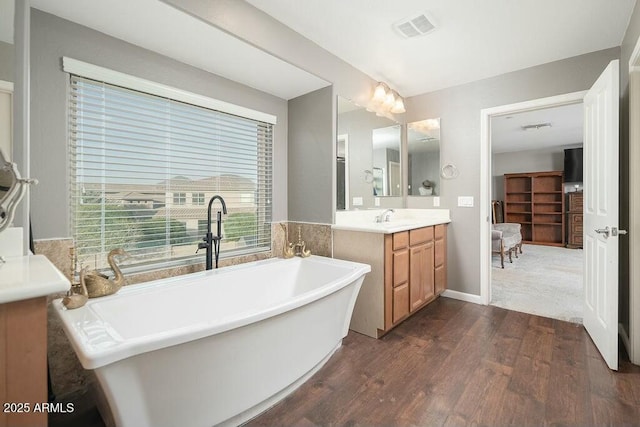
{"points": [[144, 167]]}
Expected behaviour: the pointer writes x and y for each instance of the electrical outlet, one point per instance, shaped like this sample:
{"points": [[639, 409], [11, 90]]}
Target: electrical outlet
{"points": [[357, 201], [376, 201], [436, 202]]}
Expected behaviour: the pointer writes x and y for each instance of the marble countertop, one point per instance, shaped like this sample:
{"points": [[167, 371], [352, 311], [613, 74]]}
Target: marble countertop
{"points": [[400, 220], [31, 276]]}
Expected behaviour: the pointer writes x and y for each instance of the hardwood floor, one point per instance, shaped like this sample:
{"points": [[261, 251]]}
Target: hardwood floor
{"points": [[457, 363]]}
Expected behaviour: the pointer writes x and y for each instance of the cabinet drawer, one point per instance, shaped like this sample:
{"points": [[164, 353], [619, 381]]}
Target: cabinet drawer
{"points": [[420, 235], [400, 240], [575, 218], [575, 202], [576, 228]]}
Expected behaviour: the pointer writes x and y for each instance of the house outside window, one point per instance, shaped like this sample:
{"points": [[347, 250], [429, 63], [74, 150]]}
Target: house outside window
{"points": [[197, 199], [134, 159], [179, 198]]}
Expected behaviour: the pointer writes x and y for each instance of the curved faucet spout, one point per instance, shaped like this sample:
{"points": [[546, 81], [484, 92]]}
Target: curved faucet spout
{"points": [[224, 208], [211, 242]]}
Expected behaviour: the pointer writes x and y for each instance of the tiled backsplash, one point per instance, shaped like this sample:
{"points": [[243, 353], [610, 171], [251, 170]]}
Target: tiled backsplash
{"points": [[68, 376]]}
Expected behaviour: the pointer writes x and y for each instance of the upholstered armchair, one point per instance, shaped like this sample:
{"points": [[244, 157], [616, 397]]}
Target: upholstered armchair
{"points": [[511, 228], [506, 238]]}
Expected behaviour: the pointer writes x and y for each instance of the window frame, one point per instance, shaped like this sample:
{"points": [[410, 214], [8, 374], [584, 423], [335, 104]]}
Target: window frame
{"points": [[109, 78]]}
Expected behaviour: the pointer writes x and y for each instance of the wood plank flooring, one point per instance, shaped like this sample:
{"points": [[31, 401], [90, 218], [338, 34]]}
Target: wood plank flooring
{"points": [[456, 364]]}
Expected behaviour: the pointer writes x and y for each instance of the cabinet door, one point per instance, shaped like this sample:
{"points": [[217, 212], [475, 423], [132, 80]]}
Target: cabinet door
{"points": [[400, 302], [421, 275]]}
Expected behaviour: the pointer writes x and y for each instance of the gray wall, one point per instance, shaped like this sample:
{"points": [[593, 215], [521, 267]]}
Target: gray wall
{"points": [[311, 157], [628, 44], [52, 38], [523, 161], [7, 62], [459, 108]]}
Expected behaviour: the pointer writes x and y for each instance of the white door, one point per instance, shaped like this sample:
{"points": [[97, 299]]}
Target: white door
{"points": [[601, 213]]}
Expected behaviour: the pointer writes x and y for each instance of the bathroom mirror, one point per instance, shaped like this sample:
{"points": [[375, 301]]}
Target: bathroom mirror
{"points": [[11, 190], [423, 141], [386, 161], [367, 157]]}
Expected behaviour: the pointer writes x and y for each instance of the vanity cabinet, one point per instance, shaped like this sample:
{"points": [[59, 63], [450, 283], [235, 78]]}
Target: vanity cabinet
{"points": [[23, 362], [408, 271]]}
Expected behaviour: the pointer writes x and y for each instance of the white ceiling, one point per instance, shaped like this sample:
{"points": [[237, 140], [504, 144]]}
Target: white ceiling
{"points": [[158, 27], [472, 40], [566, 128]]}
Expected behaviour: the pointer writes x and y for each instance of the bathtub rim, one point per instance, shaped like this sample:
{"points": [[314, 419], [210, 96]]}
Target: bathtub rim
{"points": [[93, 358]]}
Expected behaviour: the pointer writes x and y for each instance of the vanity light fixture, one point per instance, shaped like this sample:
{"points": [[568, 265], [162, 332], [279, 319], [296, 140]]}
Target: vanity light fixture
{"points": [[385, 100]]}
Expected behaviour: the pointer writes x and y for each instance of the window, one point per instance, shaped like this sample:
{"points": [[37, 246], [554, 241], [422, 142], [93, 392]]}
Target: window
{"points": [[128, 145], [179, 198], [197, 199]]}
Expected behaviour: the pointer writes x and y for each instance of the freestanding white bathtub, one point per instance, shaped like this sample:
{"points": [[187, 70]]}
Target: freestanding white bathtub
{"points": [[215, 347]]}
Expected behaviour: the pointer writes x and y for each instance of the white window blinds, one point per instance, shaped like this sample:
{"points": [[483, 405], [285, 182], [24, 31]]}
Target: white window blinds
{"points": [[143, 167]]}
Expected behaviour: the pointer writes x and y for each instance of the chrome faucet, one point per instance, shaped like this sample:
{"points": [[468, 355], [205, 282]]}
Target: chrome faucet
{"points": [[385, 216], [211, 242]]}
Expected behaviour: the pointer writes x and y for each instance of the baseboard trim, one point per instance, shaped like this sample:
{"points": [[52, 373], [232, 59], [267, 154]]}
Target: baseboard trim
{"points": [[625, 338], [462, 296]]}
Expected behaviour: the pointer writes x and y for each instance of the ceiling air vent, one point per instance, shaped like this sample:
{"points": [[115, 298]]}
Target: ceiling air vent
{"points": [[414, 26]]}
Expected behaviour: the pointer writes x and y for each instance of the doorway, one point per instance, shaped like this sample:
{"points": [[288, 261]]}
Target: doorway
{"points": [[487, 167], [531, 151]]}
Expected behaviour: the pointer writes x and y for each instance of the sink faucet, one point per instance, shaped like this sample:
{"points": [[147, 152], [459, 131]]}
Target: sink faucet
{"points": [[211, 242], [385, 215]]}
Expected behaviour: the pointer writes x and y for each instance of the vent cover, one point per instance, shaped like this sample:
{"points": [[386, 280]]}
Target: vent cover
{"points": [[415, 26]]}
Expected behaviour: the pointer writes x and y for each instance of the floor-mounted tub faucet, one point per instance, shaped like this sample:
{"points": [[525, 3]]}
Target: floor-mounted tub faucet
{"points": [[211, 242]]}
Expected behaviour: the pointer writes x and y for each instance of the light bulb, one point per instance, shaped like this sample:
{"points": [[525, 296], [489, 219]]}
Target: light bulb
{"points": [[379, 94], [389, 100], [398, 106]]}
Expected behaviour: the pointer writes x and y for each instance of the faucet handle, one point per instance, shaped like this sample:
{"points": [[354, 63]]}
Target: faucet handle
{"points": [[202, 245]]}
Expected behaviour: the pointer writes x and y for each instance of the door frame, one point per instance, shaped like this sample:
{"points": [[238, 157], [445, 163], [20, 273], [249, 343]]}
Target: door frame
{"points": [[485, 173], [633, 344]]}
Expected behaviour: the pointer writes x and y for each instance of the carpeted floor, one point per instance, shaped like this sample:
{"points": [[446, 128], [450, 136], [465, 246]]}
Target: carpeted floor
{"points": [[544, 280]]}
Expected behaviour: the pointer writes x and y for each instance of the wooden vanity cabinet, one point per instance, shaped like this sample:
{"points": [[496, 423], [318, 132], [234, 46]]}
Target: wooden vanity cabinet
{"points": [[416, 268], [23, 362], [408, 271]]}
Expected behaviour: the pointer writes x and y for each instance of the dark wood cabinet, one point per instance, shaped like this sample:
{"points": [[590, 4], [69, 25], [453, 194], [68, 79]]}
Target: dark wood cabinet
{"points": [[575, 203], [536, 201]]}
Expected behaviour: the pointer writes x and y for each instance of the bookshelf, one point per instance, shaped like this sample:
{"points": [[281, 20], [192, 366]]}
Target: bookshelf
{"points": [[536, 201]]}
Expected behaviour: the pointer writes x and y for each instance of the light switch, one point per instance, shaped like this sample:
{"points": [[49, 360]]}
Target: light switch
{"points": [[465, 201], [436, 201], [357, 201], [376, 201]]}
